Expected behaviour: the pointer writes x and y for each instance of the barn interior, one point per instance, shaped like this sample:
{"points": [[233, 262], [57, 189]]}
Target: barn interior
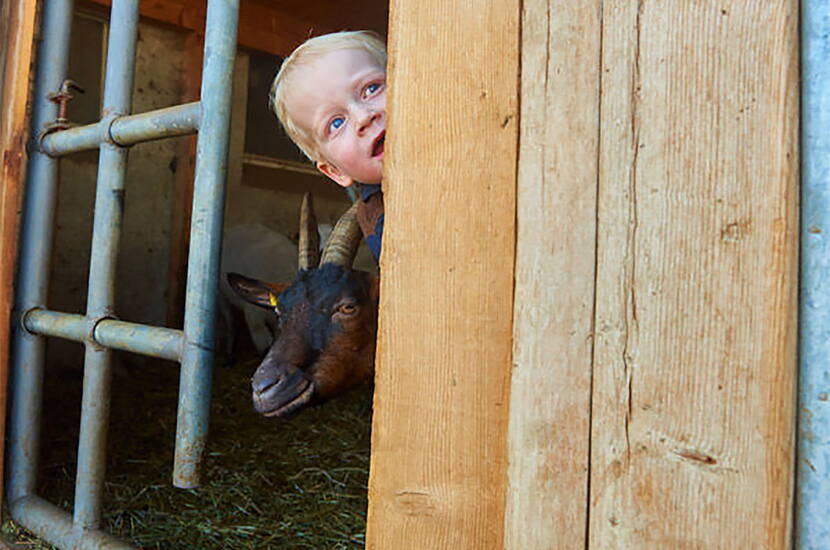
{"points": [[591, 297], [298, 484]]}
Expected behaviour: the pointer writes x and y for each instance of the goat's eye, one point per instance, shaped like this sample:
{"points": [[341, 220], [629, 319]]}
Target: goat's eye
{"points": [[347, 309]]}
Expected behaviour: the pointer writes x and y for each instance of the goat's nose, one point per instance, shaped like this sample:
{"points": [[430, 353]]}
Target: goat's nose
{"points": [[275, 380], [261, 384], [267, 381]]}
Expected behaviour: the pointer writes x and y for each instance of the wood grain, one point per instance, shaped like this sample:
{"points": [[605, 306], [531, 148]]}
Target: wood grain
{"points": [[694, 371], [438, 469], [17, 48], [555, 259]]}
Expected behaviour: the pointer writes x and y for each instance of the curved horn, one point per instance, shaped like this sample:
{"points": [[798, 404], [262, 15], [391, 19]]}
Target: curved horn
{"points": [[345, 237], [309, 245]]}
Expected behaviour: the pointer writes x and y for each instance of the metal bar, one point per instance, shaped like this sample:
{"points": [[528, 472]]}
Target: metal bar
{"points": [[106, 232], [205, 240], [80, 138], [36, 239], [180, 120], [164, 343], [813, 466], [127, 130], [55, 526], [69, 326]]}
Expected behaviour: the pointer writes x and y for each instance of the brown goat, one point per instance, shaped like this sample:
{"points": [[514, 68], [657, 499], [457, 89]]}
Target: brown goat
{"points": [[327, 321]]}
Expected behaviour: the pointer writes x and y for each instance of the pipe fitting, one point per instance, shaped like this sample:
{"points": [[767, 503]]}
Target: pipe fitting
{"points": [[92, 324], [20, 320], [107, 120]]}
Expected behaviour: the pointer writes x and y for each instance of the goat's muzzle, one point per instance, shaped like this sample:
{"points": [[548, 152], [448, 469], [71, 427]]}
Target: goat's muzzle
{"points": [[278, 391]]}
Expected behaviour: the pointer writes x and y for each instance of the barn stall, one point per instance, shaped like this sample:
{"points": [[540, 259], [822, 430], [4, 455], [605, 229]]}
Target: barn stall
{"points": [[601, 351], [149, 292]]}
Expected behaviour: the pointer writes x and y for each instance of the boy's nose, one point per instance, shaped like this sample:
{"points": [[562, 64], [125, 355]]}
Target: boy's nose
{"points": [[365, 118]]}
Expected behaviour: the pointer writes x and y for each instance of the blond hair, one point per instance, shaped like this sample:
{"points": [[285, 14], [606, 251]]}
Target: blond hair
{"points": [[305, 53]]}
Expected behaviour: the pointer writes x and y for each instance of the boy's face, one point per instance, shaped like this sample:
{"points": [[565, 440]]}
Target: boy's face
{"points": [[339, 98]]}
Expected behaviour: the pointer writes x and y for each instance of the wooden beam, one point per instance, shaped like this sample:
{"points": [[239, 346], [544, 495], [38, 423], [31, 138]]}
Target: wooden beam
{"points": [[332, 15], [17, 49], [694, 360], [273, 27], [438, 470], [549, 435]]}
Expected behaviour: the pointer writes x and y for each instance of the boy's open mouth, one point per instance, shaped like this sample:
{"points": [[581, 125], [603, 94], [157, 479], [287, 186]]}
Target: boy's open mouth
{"points": [[377, 146]]}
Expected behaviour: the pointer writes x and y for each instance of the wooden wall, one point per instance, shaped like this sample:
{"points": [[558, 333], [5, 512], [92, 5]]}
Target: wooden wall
{"points": [[695, 325], [652, 235], [555, 276]]}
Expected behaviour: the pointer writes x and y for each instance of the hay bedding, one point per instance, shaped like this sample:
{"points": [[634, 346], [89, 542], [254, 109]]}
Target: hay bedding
{"points": [[267, 484]]}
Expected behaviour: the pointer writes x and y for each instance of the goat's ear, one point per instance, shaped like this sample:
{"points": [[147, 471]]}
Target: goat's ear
{"points": [[254, 291]]}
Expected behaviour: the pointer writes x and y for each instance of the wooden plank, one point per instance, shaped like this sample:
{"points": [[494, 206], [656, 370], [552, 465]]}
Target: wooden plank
{"points": [[329, 15], [183, 192], [555, 258], [17, 49], [438, 469], [273, 27], [694, 372]]}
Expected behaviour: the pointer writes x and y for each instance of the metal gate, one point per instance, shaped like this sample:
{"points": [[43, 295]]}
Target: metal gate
{"points": [[99, 329]]}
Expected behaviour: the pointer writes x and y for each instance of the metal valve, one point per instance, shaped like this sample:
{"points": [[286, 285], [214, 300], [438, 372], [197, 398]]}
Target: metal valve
{"points": [[62, 98]]}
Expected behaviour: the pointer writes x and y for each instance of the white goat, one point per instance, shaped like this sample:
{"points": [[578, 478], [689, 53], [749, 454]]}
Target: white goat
{"points": [[262, 253]]}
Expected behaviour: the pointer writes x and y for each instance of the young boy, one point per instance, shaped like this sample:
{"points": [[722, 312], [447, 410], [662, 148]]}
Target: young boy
{"points": [[330, 96]]}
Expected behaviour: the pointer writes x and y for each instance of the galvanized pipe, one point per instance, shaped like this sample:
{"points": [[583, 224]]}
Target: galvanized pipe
{"points": [[205, 241], [813, 482], [106, 232], [36, 239], [69, 326], [73, 140], [55, 526], [162, 123], [164, 343], [125, 130]]}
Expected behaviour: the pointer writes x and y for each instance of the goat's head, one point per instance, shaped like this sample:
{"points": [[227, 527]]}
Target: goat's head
{"points": [[327, 321]]}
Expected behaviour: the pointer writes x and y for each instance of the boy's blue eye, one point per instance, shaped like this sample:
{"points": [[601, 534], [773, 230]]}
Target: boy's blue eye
{"points": [[372, 88], [336, 123]]}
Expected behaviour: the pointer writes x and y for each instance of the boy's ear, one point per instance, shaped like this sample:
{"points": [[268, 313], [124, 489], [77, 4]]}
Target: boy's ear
{"points": [[334, 173]]}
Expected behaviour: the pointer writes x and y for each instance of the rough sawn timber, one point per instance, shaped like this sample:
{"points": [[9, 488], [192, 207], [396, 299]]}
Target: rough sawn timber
{"points": [[694, 363], [438, 470], [555, 257]]}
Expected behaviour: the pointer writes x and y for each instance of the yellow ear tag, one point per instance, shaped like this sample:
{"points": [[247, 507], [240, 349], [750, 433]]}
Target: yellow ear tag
{"points": [[272, 299]]}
